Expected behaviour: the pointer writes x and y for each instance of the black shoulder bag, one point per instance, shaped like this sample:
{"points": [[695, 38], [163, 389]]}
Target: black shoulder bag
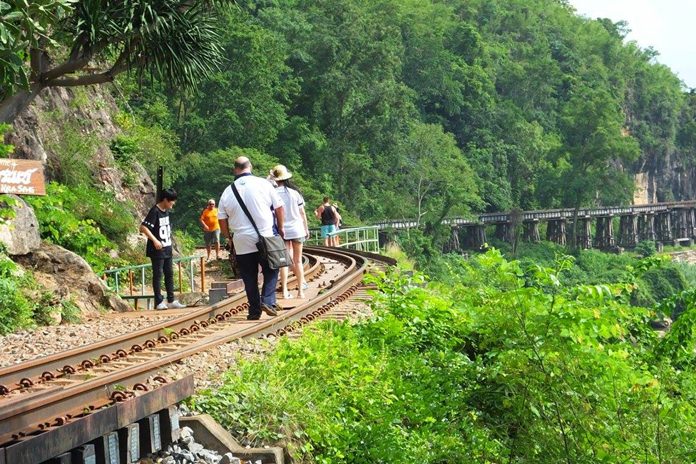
{"points": [[272, 249]]}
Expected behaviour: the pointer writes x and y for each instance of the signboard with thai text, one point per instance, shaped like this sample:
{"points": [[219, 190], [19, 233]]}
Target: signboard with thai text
{"points": [[22, 177]]}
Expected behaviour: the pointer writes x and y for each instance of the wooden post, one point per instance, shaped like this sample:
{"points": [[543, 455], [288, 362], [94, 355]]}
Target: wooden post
{"points": [[531, 231], [584, 235], [628, 236], [664, 227], [202, 274], [604, 235], [556, 231], [646, 226], [130, 281]]}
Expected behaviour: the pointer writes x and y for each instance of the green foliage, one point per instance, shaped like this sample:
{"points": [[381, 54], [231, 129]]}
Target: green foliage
{"points": [[176, 41], [420, 109], [15, 307], [646, 248], [5, 149], [148, 143], [47, 306], [186, 243], [25, 25], [74, 151], [81, 220], [501, 363]]}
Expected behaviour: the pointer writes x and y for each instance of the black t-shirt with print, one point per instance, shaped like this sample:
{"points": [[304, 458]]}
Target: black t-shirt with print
{"points": [[158, 223]]}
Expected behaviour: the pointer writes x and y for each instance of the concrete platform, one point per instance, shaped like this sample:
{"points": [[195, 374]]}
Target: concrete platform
{"points": [[213, 436]]}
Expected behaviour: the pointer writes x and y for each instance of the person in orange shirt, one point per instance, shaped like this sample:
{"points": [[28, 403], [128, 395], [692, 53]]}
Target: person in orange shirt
{"points": [[211, 228]]}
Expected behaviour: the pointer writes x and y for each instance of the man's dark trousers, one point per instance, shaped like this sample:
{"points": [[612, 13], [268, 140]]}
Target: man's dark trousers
{"points": [[159, 265], [249, 270]]}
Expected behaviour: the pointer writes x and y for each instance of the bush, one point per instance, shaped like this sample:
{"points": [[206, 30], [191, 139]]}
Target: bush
{"points": [[664, 282], [497, 364], [65, 218], [15, 307], [646, 248]]}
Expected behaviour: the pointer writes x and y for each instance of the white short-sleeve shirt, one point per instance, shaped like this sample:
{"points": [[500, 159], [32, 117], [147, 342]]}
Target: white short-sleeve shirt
{"points": [[292, 204], [261, 200]]}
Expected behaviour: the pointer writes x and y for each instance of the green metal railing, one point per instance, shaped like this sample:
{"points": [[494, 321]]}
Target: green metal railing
{"points": [[136, 280], [353, 238]]}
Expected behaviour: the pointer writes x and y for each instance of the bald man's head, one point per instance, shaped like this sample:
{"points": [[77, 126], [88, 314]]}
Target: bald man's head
{"points": [[242, 164]]}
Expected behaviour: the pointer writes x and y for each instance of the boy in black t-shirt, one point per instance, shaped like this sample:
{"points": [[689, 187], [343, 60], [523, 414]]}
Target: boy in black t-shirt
{"points": [[158, 230]]}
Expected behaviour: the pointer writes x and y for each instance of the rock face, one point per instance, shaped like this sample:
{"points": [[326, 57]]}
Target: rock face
{"points": [[20, 234], [72, 130], [70, 277], [86, 114]]}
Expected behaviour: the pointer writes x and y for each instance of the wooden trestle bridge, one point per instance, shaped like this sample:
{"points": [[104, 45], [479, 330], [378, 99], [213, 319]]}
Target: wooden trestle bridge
{"points": [[666, 223]]}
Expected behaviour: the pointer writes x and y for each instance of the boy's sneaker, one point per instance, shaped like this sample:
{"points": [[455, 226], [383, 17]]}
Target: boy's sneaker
{"points": [[175, 305], [162, 305]]}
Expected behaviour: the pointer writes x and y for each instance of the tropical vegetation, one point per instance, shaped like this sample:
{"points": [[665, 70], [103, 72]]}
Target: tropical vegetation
{"points": [[496, 361]]}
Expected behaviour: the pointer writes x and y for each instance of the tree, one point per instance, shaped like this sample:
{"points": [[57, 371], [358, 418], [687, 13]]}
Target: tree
{"points": [[245, 103], [174, 40], [434, 177], [592, 125]]}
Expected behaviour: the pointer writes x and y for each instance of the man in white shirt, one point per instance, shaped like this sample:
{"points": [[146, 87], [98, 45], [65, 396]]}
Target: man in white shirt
{"points": [[262, 201]]}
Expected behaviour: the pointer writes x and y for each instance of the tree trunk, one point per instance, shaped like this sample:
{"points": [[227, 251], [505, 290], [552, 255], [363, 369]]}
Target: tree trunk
{"points": [[13, 105]]}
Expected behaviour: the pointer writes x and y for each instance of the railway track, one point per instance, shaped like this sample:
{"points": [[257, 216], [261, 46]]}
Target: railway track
{"points": [[46, 394]]}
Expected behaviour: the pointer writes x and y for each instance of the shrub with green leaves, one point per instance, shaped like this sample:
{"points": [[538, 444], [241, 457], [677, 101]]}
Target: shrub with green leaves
{"points": [[65, 218], [502, 363], [15, 307]]}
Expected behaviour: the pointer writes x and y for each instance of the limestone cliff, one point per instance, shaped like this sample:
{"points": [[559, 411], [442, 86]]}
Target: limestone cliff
{"points": [[663, 176]]}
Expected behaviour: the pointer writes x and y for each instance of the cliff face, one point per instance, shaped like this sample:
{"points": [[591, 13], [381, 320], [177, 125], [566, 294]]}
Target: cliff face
{"points": [[63, 125], [663, 177], [71, 131]]}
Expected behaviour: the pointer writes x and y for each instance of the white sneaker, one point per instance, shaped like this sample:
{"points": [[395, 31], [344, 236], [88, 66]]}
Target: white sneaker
{"points": [[162, 305], [175, 305]]}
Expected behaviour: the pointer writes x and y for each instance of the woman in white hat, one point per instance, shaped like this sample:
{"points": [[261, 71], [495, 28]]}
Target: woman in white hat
{"points": [[296, 231]]}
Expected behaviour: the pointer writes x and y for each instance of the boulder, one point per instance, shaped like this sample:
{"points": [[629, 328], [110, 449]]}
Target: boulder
{"points": [[64, 273], [20, 233]]}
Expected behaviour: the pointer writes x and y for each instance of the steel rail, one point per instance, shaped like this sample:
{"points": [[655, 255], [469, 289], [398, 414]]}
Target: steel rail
{"points": [[37, 411], [54, 366]]}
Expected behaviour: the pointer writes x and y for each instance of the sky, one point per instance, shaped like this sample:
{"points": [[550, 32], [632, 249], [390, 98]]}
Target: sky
{"points": [[665, 25]]}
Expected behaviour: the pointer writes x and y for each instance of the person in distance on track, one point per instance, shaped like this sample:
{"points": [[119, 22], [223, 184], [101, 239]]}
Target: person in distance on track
{"points": [[329, 218], [211, 228]]}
